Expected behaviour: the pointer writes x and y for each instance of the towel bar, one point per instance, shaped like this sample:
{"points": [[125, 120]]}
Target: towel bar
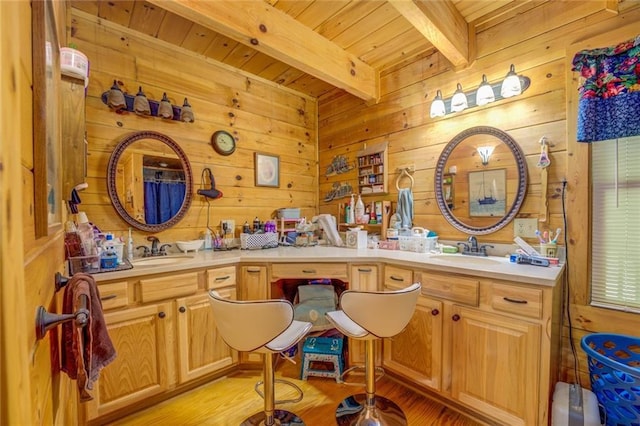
{"points": [[46, 321]]}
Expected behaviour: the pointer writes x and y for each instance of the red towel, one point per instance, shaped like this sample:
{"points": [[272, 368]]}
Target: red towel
{"points": [[86, 350]]}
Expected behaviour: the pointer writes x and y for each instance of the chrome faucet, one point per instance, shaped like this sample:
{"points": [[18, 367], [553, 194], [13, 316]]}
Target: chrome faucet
{"points": [[473, 244], [154, 245], [471, 247]]}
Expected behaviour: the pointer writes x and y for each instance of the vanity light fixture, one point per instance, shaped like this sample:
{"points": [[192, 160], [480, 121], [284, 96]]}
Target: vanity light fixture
{"points": [[437, 106], [485, 153], [459, 100], [512, 85]]}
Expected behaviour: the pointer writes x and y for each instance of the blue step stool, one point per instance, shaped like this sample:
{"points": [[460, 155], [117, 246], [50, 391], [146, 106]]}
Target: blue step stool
{"points": [[325, 350]]}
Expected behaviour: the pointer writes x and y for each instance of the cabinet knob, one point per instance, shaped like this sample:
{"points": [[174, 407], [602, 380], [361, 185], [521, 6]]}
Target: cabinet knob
{"points": [[182, 309], [456, 317], [435, 312], [162, 314]]}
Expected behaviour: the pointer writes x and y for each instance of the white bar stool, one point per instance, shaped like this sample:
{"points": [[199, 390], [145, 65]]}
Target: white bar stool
{"points": [[266, 327], [369, 316]]}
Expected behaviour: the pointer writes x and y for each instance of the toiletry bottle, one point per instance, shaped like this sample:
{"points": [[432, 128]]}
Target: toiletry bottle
{"points": [[208, 240], [130, 247], [359, 210], [245, 228], [256, 225], [352, 208], [347, 214], [85, 230], [108, 257]]}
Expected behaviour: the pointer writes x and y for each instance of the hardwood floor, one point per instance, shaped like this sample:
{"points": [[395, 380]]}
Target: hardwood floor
{"points": [[229, 400]]}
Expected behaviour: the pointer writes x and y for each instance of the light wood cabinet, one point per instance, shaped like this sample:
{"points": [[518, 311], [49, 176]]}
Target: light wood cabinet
{"points": [[489, 345], [416, 352], [201, 350], [144, 365], [253, 286], [365, 278], [495, 365]]}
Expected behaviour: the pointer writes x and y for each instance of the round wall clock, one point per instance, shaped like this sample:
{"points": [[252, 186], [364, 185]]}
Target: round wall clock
{"points": [[223, 142]]}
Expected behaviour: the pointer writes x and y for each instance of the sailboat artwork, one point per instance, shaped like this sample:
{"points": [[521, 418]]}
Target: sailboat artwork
{"points": [[487, 193], [483, 198]]}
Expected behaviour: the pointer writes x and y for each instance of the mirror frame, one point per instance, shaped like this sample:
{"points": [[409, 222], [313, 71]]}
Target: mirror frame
{"points": [[112, 172], [522, 179]]}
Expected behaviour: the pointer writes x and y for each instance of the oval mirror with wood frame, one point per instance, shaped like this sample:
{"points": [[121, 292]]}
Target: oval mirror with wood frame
{"points": [[479, 195], [149, 181]]}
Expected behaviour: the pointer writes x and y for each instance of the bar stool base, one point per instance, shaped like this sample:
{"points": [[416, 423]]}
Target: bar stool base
{"points": [[352, 412], [281, 417]]}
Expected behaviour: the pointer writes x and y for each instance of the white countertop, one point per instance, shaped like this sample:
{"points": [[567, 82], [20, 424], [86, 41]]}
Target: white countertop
{"points": [[488, 267]]}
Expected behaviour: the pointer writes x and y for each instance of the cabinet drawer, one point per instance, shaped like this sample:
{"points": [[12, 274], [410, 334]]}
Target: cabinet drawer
{"points": [[168, 287], [521, 301], [221, 277], [114, 295], [309, 270], [457, 289], [397, 277]]}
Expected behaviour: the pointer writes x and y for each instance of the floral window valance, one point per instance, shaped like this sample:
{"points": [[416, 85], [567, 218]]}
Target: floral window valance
{"points": [[609, 106]]}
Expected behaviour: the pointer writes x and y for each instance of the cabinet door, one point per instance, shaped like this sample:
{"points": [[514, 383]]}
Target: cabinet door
{"points": [[144, 363], [416, 353], [253, 283], [495, 365], [253, 286], [201, 350], [365, 278]]}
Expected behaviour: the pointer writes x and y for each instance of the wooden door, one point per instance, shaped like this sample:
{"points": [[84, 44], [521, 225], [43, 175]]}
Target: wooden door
{"points": [[417, 352], [201, 350], [145, 360], [495, 365]]}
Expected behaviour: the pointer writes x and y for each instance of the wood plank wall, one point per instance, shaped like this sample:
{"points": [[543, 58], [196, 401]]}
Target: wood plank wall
{"points": [[262, 117], [535, 40]]}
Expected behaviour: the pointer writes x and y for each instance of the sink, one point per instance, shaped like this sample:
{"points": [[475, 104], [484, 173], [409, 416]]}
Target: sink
{"points": [[160, 260], [466, 260]]}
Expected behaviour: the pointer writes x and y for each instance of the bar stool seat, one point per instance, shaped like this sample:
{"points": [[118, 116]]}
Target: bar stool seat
{"points": [[370, 316], [266, 327]]}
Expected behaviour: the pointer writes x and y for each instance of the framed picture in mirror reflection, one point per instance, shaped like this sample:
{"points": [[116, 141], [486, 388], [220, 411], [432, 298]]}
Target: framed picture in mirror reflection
{"points": [[487, 193]]}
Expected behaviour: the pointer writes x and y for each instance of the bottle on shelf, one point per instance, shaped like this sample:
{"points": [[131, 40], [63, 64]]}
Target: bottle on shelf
{"points": [[352, 208], [208, 239], [359, 212]]}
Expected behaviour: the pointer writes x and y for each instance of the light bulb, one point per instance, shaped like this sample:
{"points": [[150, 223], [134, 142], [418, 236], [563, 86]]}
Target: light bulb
{"points": [[485, 94], [437, 106], [511, 84], [459, 100]]}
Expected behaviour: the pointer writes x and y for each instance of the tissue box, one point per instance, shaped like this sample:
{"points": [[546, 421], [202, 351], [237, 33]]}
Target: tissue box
{"points": [[356, 239]]}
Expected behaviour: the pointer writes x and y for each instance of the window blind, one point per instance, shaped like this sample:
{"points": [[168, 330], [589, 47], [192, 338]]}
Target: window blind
{"points": [[615, 228]]}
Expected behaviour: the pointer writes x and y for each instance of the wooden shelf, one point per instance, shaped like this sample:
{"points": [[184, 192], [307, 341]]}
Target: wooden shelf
{"points": [[373, 228], [372, 164]]}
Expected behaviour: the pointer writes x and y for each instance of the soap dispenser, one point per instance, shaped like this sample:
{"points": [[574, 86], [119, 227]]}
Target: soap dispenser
{"points": [[359, 210]]}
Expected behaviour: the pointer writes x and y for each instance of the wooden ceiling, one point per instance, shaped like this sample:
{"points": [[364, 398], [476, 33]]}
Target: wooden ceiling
{"points": [[314, 46]]}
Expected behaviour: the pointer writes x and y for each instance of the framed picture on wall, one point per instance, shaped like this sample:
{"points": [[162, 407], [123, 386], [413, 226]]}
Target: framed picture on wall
{"points": [[267, 170], [487, 193]]}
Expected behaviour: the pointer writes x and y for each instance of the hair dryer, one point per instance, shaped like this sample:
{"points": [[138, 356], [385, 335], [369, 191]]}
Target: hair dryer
{"points": [[212, 192]]}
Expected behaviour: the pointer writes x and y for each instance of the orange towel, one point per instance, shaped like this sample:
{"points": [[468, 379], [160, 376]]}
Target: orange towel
{"points": [[86, 350]]}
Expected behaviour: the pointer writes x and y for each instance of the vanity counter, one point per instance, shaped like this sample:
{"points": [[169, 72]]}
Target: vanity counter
{"points": [[487, 267]]}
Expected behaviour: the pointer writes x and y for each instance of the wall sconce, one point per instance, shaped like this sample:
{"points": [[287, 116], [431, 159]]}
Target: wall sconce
{"points": [[485, 153], [512, 85]]}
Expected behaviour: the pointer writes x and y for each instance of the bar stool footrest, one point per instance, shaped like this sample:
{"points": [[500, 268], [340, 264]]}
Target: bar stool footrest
{"points": [[284, 382]]}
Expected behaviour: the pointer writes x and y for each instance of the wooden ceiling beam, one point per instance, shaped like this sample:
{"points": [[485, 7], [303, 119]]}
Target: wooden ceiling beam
{"points": [[441, 24], [272, 32]]}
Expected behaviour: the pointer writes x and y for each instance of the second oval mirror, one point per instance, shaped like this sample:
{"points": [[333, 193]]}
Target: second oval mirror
{"points": [[481, 180], [149, 181]]}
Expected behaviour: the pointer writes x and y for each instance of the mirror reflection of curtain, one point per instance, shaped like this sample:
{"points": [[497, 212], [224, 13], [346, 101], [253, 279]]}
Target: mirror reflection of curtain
{"points": [[162, 200]]}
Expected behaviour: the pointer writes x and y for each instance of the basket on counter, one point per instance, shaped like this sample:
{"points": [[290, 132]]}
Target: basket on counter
{"points": [[417, 241], [258, 241], [614, 369]]}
